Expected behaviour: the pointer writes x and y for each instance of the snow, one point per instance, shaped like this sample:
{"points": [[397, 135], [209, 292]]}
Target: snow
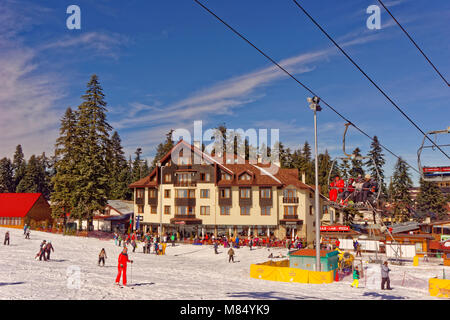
{"points": [[185, 272]]}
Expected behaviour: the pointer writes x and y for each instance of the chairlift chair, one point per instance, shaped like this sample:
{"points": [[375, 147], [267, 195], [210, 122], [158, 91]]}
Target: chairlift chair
{"points": [[434, 173]]}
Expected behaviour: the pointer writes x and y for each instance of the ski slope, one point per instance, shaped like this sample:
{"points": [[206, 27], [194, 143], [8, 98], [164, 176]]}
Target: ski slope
{"points": [[185, 272]]}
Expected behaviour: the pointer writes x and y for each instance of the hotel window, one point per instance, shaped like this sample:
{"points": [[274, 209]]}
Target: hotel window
{"points": [[166, 209], [205, 177], [185, 193], [245, 176], [152, 193], [266, 193], [184, 210], [140, 193], [168, 177], [140, 208], [245, 211], [245, 193], [204, 210], [289, 193], [184, 177], [225, 211], [290, 210], [153, 209], [226, 176], [225, 193], [167, 194], [265, 211], [204, 193]]}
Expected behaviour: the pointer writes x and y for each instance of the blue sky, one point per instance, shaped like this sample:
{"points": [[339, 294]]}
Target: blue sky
{"points": [[164, 64]]}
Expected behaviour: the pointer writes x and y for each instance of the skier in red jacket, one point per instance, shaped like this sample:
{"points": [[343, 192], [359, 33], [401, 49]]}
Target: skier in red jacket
{"points": [[122, 267]]}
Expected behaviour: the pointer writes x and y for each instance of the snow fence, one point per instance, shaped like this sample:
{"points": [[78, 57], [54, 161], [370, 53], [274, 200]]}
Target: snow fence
{"points": [[278, 271]]}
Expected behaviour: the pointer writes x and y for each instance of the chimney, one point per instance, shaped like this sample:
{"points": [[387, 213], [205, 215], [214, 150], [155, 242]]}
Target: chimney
{"points": [[303, 177]]}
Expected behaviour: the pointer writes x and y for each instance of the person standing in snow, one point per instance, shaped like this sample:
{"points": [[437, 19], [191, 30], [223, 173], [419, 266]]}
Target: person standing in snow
{"points": [[230, 255], [133, 244], [27, 235], [119, 237], [115, 238], [41, 253], [25, 228], [355, 277], [358, 249], [6, 238], [385, 276], [216, 245], [49, 248], [102, 256], [122, 266], [250, 244], [172, 238]]}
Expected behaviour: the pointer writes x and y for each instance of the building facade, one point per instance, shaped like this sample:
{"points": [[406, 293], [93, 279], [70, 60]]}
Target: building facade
{"points": [[193, 193]]}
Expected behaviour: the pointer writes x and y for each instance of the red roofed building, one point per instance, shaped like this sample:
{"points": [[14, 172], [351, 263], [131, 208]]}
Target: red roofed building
{"points": [[16, 209]]}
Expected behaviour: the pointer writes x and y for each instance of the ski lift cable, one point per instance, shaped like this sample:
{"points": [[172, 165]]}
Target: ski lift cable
{"points": [[298, 81], [415, 44], [370, 79]]}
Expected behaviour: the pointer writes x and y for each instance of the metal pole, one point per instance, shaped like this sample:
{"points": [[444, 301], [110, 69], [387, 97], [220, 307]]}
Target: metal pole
{"points": [[161, 204], [314, 105], [317, 195]]}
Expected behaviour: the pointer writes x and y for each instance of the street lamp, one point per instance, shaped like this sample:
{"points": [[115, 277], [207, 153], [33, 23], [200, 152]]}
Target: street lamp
{"points": [[160, 197], [314, 105]]}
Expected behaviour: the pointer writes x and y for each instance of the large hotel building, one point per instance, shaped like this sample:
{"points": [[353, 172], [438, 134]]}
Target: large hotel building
{"points": [[193, 193]]}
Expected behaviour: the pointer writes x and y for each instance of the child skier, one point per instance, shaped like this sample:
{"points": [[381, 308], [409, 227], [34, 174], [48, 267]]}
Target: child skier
{"points": [[122, 266], [6, 238], [102, 256], [230, 255], [355, 277]]}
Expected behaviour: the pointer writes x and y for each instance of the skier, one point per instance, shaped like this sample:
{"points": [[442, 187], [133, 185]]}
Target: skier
{"points": [[216, 245], [250, 244], [49, 248], [6, 238], [358, 249], [102, 256], [172, 238], [41, 253], [230, 255], [160, 249], [385, 276], [27, 235], [122, 266], [25, 228], [133, 244], [156, 248], [115, 238], [355, 277], [120, 239]]}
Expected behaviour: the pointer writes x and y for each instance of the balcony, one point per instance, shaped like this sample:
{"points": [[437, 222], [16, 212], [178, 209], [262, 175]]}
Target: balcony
{"points": [[182, 202], [185, 184], [290, 200], [290, 217], [184, 216]]}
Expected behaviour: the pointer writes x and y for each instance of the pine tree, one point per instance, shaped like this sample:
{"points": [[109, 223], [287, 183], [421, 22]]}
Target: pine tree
{"points": [[119, 178], [400, 195], [376, 170], [19, 165], [324, 171], [6, 176], [92, 147], [344, 169], [431, 201], [65, 175], [357, 164], [137, 165], [163, 149], [307, 165], [33, 179]]}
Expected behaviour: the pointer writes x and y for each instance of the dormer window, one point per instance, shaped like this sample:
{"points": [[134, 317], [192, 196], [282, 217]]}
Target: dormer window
{"points": [[245, 176], [226, 176]]}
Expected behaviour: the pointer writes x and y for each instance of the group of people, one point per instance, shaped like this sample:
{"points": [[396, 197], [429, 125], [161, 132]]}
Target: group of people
{"points": [[385, 280], [353, 191], [45, 249]]}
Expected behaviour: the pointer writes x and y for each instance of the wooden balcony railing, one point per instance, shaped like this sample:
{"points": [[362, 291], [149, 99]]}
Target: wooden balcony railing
{"points": [[185, 216], [185, 183], [290, 200], [290, 216]]}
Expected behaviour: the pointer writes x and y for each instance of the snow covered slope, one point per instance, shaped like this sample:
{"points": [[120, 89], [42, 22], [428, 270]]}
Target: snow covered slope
{"points": [[185, 272]]}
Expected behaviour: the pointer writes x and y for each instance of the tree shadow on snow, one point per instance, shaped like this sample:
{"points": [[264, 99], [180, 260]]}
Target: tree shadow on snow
{"points": [[382, 296], [10, 283]]}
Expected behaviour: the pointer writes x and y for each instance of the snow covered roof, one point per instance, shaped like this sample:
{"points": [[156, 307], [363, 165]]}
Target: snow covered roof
{"points": [[122, 206]]}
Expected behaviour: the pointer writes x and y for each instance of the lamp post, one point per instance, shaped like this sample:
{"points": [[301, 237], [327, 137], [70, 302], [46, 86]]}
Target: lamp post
{"points": [[314, 105], [160, 198]]}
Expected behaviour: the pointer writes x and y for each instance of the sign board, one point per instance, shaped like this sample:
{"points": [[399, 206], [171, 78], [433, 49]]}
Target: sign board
{"points": [[334, 228], [180, 222]]}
